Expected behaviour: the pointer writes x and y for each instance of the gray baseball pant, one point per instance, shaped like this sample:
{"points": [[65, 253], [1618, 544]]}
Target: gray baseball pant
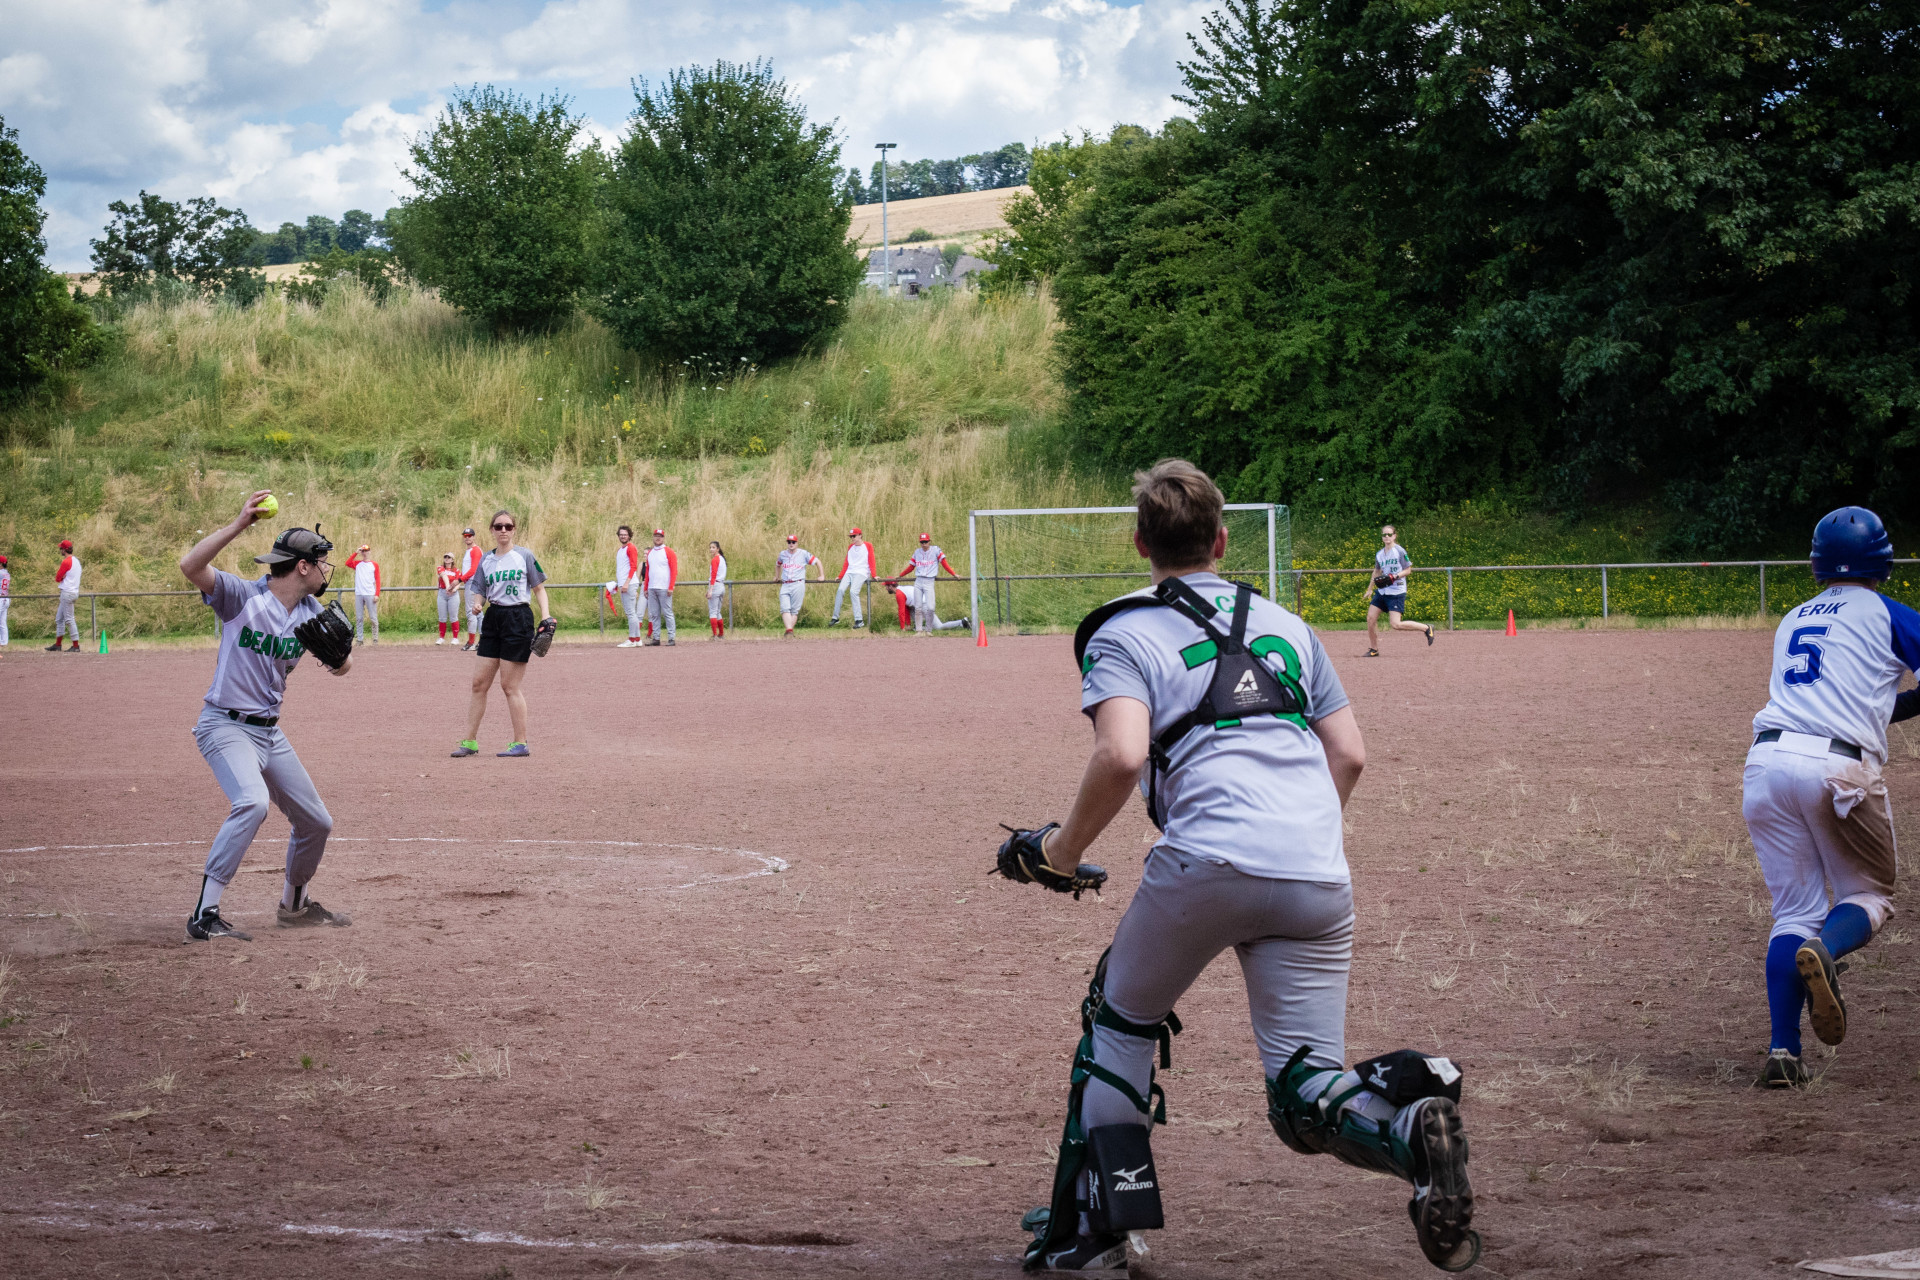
{"points": [[630, 602], [449, 605], [63, 622], [1294, 940], [923, 604], [366, 610], [855, 583], [660, 610], [476, 603], [716, 599], [253, 766], [5, 604]]}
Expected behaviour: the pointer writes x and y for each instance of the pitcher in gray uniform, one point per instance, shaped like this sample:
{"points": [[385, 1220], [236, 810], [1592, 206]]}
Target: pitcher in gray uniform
{"points": [[239, 727], [1223, 709]]}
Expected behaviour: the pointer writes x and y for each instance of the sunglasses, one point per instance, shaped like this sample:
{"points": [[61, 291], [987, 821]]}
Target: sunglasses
{"points": [[503, 526]]}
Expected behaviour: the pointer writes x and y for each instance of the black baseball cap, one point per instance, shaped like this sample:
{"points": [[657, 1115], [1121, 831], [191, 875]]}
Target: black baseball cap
{"points": [[296, 544]]}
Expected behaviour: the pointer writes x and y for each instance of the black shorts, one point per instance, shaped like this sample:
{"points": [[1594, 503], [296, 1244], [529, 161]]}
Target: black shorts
{"points": [[506, 632], [1395, 603]]}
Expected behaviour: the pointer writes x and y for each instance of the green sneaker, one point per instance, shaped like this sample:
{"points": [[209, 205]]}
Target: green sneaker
{"points": [[467, 748], [514, 751]]}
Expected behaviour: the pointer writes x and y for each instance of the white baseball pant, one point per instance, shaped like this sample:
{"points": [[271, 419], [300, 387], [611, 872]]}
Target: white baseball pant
{"points": [[1793, 792]]}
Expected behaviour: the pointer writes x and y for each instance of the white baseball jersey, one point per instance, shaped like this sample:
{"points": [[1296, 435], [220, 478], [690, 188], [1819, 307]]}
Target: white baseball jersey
{"points": [[626, 567], [508, 577], [927, 561], [1393, 561], [717, 571], [793, 564], [469, 565], [859, 562], [659, 569], [257, 646], [68, 578], [366, 578], [1257, 796], [1836, 667], [6, 584]]}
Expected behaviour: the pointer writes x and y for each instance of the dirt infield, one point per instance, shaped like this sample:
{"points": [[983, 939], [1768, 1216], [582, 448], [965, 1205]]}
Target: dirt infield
{"points": [[714, 983]]}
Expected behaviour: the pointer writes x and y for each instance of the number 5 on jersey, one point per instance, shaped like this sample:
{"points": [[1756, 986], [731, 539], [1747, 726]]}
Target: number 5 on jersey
{"points": [[1802, 646]]}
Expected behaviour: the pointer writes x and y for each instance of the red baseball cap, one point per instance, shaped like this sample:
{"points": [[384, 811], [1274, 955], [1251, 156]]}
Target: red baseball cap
{"points": [[3, 560], [853, 533], [66, 545], [926, 537], [793, 537], [661, 532]]}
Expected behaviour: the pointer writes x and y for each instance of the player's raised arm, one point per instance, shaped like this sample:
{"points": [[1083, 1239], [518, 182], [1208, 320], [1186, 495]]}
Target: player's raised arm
{"points": [[197, 564]]}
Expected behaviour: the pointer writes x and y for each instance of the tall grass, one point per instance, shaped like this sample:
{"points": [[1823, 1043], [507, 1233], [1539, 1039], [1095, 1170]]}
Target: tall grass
{"points": [[396, 425]]}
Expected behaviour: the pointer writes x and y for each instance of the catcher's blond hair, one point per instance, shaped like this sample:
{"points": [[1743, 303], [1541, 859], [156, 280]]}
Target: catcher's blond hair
{"points": [[1179, 509]]}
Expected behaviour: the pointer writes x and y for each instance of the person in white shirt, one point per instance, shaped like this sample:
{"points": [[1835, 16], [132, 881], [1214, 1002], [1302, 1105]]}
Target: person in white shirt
{"points": [[476, 599], [366, 593], [1387, 588], [716, 591], [6, 598], [67, 579], [856, 570], [626, 583], [662, 570], [792, 565]]}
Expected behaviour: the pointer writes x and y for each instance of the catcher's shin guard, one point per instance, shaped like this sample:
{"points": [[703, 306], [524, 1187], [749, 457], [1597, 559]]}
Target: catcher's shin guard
{"points": [[1058, 1222]]}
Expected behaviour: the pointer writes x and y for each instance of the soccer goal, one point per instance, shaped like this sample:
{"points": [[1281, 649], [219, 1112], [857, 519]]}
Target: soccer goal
{"points": [[1047, 568]]}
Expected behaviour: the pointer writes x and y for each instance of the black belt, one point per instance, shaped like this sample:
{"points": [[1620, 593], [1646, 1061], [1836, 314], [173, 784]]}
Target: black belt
{"points": [[258, 722], [1834, 745]]}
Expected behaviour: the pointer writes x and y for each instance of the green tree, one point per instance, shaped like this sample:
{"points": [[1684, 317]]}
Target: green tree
{"points": [[727, 221], [42, 328], [355, 231], [504, 208], [198, 242]]}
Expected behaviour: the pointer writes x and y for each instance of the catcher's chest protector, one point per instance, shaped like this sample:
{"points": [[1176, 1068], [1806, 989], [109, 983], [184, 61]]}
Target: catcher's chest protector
{"points": [[1241, 686]]}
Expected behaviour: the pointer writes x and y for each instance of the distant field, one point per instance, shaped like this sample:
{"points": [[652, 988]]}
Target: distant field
{"points": [[279, 271], [947, 217]]}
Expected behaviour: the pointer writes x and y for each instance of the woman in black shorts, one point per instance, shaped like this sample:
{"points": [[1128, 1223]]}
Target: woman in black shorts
{"points": [[507, 579]]}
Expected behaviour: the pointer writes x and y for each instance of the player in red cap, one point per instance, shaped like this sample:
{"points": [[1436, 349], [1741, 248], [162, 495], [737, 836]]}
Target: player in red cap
{"points": [[660, 570], [925, 564], [859, 566], [6, 599], [67, 579], [792, 564], [716, 590]]}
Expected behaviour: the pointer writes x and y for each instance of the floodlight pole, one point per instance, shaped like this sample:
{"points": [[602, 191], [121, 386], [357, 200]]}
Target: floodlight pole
{"points": [[886, 248]]}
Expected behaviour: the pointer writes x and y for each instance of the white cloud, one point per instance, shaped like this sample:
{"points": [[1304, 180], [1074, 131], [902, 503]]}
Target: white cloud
{"points": [[290, 107]]}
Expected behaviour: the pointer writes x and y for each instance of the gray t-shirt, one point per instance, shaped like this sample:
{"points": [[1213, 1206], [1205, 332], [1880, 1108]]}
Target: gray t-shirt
{"points": [[1258, 796], [257, 647], [508, 577]]}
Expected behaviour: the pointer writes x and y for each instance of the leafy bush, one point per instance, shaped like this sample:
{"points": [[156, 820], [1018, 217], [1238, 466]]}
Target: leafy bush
{"points": [[916, 235], [503, 210], [374, 270], [727, 224]]}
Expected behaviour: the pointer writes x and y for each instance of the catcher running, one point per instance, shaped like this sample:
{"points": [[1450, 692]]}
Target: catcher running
{"points": [[266, 625], [1225, 711]]}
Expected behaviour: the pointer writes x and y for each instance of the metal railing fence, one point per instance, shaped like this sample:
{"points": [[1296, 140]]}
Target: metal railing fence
{"points": [[1607, 581]]}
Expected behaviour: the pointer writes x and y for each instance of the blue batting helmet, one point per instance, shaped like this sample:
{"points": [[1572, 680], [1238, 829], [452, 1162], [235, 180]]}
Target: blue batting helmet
{"points": [[1852, 543]]}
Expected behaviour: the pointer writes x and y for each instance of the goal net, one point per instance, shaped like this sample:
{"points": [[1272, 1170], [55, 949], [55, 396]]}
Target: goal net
{"points": [[1045, 569]]}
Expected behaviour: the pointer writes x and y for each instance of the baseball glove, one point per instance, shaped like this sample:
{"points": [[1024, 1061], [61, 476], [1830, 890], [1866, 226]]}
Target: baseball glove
{"points": [[1382, 579], [543, 636], [1023, 860], [328, 636]]}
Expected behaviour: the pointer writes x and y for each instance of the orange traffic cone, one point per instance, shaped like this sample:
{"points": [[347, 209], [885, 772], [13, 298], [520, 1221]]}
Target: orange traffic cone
{"points": [[1510, 630], [980, 636]]}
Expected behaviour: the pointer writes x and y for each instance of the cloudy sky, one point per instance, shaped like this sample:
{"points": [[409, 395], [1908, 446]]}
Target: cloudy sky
{"points": [[290, 107]]}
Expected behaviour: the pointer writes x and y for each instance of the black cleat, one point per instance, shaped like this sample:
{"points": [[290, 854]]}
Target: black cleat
{"points": [[1783, 1071], [54, 647], [1094, 1255], [209, 927], [312, 913], [1429, 635], [1825, 1009], [1442, 1204]]}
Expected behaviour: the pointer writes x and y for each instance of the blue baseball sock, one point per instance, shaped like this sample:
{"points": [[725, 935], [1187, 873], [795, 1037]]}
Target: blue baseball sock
{"points": [[1786, 994], [1848, 928]]}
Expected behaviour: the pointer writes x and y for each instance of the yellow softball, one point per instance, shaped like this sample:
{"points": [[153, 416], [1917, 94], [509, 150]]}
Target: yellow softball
{"points": [[269, 506]]}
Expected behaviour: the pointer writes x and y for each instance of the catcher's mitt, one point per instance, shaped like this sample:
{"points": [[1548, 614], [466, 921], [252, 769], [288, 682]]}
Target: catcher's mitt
{"points": [[328, 636], [1023, 860], [543, 636]]}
